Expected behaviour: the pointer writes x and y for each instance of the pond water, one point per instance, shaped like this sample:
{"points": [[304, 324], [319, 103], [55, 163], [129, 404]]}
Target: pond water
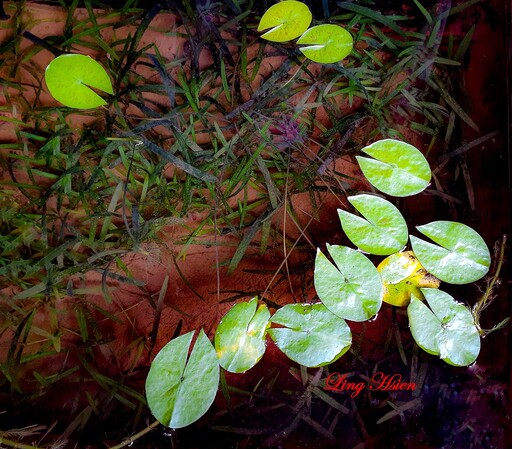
{"points": [[217, 98]]}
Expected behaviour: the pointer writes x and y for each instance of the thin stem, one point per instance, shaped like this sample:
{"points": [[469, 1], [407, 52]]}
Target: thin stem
{"points": [[17, 445], [131, 439], [488, 296], [285, 213]]}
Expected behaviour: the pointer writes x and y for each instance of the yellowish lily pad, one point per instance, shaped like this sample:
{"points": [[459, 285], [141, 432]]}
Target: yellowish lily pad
{"points": [[403, 276], [287, 20], [326, 43]]}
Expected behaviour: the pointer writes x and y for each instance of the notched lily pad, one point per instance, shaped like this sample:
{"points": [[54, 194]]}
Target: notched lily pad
{"points": [[351, 289], [69, 76], [326, 43], [460, 256], [447, 329], [404, 276], [181, 388], [287, 20], [397, 168], [313, 336], [240, 336], [383, 229]]}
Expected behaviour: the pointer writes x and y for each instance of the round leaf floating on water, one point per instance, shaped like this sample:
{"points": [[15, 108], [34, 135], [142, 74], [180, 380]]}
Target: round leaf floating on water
{"points": [[352, 289], [69, 76], [240, 336], [383, 229], [397, 168], [313, 336], [446, 329], [326, 43], [462, 256], [403, 276], [287, 20], [180, 391]]}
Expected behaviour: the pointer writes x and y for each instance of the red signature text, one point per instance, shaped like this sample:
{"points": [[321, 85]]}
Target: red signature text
{"points": [[379, 382]]}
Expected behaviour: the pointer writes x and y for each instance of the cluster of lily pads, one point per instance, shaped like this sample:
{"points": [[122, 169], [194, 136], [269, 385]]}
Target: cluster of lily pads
{"points": [[353, 288], [288, 20], [182, 382], [181, 387], [70, 77]]}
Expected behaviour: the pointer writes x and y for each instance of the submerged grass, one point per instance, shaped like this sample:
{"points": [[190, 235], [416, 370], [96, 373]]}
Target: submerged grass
{"points": [[181, 136]]}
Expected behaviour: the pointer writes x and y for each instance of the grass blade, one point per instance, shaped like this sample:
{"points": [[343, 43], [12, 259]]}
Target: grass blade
{"points": [[372, 14]]}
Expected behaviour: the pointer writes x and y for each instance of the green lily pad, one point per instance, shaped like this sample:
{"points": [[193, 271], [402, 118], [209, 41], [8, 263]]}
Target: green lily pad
{"points": [[240, 336], [383, 229], [352, 289], [69, 76], [397, 168], [180, 391], [326, 43], [288, 20], [446, 329], [462, 256], [313, 336]]}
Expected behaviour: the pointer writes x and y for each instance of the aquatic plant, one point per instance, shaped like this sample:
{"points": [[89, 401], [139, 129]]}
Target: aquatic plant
{"points": [[69, 78], [351, 288], [288, 20], [107, 181]]}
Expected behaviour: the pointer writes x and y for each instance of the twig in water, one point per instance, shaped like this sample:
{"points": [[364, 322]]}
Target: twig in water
{"points": [[129, 441], [492, 283]]}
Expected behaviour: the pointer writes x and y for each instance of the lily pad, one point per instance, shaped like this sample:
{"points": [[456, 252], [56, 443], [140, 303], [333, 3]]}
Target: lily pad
{"points": [[287, 20], [462, 256], [403, 276], [180, 391], [383, 229], [397, 168], [313, 336], [69, 78], [326, 43], [240, 336], [446, 329], [352, 289]]}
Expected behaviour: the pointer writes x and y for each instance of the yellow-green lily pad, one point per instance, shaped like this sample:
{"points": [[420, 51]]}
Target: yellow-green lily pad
{"points": [[383, 229], [287, 20], [326, 43], [181, 386], [446, 329], [70, 77], [460, 256], [312, 335], [240, 336], [351, 288], [395, 168]]}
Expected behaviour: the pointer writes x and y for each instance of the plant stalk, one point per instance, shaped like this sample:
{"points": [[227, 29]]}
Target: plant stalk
{"points": [[131, 439], [486, 299], [17, 444]]}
